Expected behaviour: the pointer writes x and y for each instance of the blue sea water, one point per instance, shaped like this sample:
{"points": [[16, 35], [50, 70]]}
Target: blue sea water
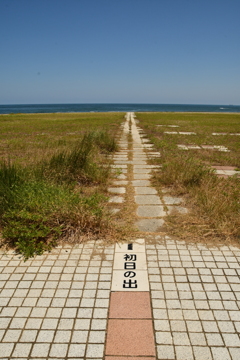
{"points": [[62, 108]]}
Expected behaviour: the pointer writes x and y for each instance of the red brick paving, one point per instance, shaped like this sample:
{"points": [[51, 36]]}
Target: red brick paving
{"points": [[129, 358], [130, 338], [132, 305]]}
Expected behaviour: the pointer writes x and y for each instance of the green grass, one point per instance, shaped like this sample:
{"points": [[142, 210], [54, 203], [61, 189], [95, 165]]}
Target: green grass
{"points": [[214, 202], [203, 125], [26, 138], [55, 192]]}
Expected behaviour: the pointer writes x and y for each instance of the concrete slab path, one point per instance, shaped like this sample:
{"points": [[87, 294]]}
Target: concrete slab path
{"points": [[153, 298]]}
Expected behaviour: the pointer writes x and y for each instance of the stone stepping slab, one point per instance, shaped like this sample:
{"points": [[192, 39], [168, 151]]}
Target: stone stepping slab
{"points": [[149, 225], [116, 199], [141, 176], [131, 162], [141, 170], [117, 190], [147, 166], [154, 153], [139, 157], [141, 183], [169, 200], [121, 170], [122, 166], [120, 182], [151, 211], [179, 132], [232, 134], [227, 173], [120, 155], [147, 200], [120, 158], [149, 146], [121, 177], [172, 126], [145, 190], [219, 167], [220, 148]]}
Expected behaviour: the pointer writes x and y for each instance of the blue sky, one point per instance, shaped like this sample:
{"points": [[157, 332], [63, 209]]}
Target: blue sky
{"points": [[101, 51]]}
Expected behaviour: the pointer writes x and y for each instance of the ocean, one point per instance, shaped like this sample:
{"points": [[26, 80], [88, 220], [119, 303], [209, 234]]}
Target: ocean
{"points": [[68, 108]]}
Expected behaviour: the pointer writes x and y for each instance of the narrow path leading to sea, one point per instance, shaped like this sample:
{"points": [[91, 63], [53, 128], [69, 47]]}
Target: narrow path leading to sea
{"points": [[154, 297]]}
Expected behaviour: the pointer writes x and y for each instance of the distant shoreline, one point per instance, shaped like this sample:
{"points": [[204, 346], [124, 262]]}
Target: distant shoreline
{"points": [[163, 112], [100, 108]]}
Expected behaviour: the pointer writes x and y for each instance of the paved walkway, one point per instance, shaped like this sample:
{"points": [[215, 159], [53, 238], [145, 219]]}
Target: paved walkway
{"points": [[154, 298]]}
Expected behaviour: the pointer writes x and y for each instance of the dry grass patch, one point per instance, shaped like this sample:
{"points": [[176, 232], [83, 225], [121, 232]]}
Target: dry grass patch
{"points": [[214, 202]]}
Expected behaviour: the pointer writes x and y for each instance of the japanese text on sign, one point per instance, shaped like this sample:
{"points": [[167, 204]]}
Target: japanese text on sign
{"points": [[130, 265]]}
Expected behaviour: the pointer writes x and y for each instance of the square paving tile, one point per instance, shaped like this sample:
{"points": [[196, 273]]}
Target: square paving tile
{"points": [[130, 305], [130, 338]]}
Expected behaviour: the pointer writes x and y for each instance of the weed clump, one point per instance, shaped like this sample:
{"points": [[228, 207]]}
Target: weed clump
{"points": [[83, 164]]}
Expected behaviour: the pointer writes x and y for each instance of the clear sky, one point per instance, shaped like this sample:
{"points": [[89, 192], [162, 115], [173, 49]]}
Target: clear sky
{"points": [[124, 51]]}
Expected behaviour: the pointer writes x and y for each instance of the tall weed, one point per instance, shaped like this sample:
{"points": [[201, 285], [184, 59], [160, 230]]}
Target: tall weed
{"points": [[105, 142], [11, 178], [182, 171], [218, 201], [82, 163]]}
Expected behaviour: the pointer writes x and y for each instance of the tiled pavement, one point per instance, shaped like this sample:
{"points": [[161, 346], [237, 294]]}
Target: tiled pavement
{"points": [[55, 306], [156, 298]]}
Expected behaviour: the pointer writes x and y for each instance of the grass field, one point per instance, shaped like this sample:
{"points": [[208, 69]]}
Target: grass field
{"points": [[214, 202], [26, 138], [54, 172]]}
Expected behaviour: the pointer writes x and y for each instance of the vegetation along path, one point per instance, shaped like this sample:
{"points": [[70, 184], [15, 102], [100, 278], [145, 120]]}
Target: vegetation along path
{"points": [[153, 297]]}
